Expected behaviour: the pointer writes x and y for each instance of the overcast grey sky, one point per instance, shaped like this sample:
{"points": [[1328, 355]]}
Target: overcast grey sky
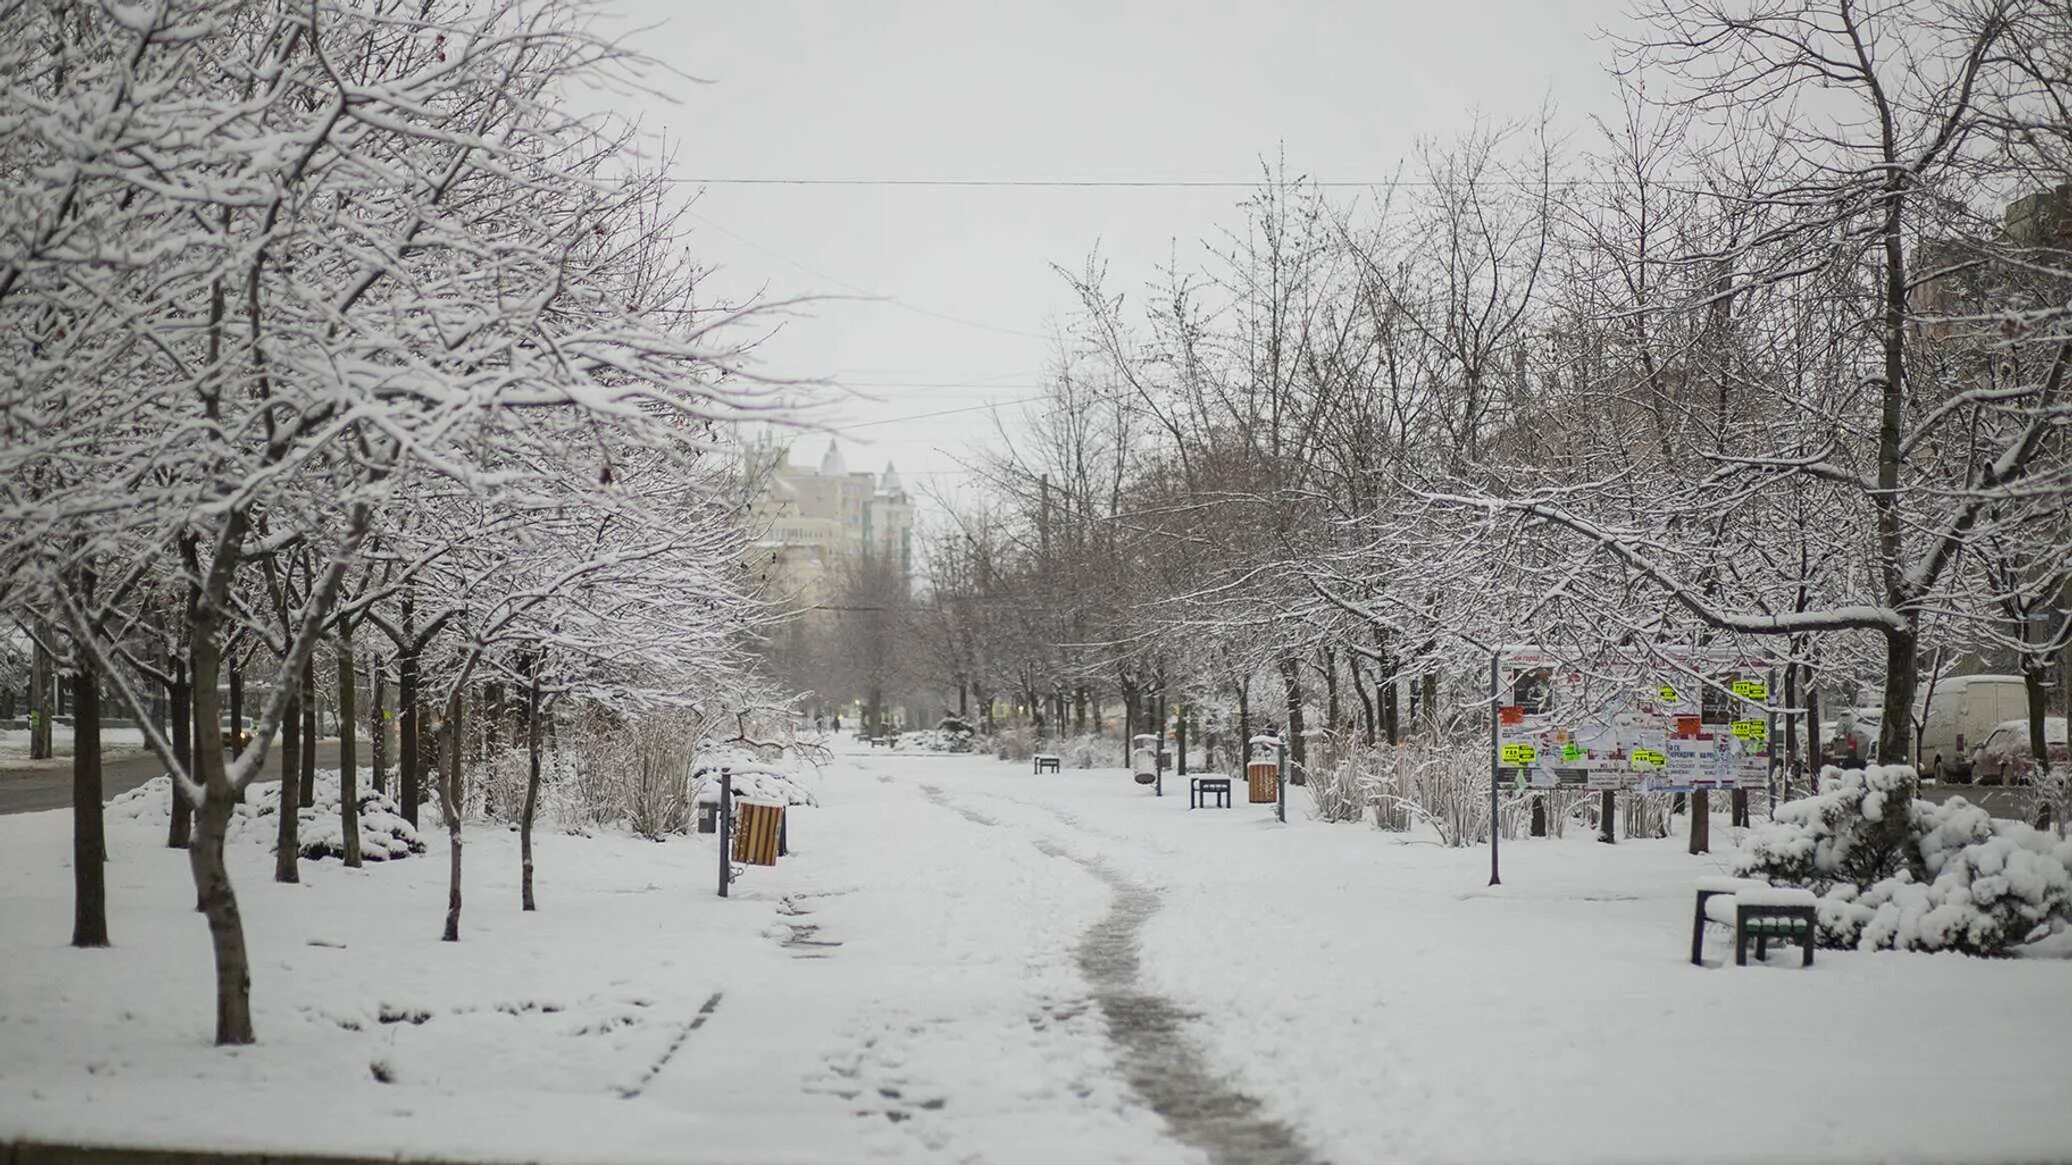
{"points": [[822, 89]]}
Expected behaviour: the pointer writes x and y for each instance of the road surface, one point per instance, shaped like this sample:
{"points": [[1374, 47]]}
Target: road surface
{"points": [[33, 786]]}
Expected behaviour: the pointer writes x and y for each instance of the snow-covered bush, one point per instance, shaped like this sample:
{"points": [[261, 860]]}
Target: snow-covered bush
{"points": [[757, 783], [1088, 751], [1647, 814], [1339, 791], [2050, 795], [1898, 873], [1443, 783], [933, 740], [1016, 742], [1857, 829], [383, 832]]}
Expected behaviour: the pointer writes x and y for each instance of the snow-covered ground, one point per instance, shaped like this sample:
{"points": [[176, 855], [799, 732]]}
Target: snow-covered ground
{"points": [[943, 971]]}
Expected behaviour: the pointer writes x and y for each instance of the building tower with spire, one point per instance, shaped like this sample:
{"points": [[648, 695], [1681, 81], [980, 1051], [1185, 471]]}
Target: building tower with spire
{"points": [[811, 524]]}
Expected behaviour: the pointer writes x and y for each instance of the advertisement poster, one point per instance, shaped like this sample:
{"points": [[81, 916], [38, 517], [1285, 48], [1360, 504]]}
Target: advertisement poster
{"points": [[1632, 721]]}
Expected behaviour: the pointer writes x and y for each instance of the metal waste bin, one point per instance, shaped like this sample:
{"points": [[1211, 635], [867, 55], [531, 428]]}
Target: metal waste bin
{"points": [[1144, 757]]}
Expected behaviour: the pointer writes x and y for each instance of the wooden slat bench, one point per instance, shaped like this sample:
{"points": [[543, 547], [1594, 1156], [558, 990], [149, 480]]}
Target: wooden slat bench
{"points": [[1046, 763], [1754, 910], [1200, 789]]}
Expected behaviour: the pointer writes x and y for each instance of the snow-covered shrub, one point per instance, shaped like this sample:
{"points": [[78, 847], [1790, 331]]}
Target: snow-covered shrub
{"points": [[1857, 829], [1647, 814], [1898, 873], [1088, 751], [1343, 788], [655, 782], [756, 784], [2050, 795], [1016, 742], [1444, 783], [320, 833]]}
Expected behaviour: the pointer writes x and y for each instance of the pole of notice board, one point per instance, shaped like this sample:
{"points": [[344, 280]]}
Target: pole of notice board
{"points": [[1495, 765], [726, 821]]}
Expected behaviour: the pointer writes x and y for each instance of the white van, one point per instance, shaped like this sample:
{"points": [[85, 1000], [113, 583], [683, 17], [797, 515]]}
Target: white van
{"points": [[1962, 711]]}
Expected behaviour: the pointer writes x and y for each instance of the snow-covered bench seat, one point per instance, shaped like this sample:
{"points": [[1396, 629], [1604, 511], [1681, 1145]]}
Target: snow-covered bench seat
{"points": [[1754, 909], [1047, 763]]}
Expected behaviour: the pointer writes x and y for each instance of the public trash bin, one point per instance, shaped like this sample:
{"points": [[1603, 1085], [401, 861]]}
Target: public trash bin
{"points": [[1144, 757], [756, 830], [1262, 782], [1263, 771], [708, 817]]}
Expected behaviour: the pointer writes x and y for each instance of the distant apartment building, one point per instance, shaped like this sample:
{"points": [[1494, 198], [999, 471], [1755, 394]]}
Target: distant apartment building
{"points": [[811, 525]]}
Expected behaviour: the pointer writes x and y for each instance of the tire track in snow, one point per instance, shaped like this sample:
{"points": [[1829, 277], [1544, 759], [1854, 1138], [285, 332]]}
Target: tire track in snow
{"points": [[1161, 1065]]}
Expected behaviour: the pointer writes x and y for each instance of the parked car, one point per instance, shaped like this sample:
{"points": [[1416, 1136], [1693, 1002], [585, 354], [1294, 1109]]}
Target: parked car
{"points": [[2004, 758], [1851, 740], [1960, 713]]}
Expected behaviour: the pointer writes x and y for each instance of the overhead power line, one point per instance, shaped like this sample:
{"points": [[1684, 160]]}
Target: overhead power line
{"points": [[1143, 183]]}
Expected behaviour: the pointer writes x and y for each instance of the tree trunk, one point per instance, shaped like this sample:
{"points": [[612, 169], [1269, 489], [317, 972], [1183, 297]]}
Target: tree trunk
{"points": [[1738, 809], [1391, 702], [1895, 735], [449, 803], [180, 824], [1366, 700], [1701, 822], [377, 726], [41, 706], [2035, 674], [309, 734], [408, 742], [237, 705], [205, 856], [1291, 684], [1812, 735], [1789, 769], [532, 785], [287, 840], [348, 758], [89, 836], [1129, 722], [1329, 666], [1244, 726]]}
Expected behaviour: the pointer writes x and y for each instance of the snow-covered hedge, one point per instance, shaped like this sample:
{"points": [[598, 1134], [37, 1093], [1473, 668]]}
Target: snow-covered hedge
{"points": [[1440, 783], [934, 740], [1898, 873], [383, 832], [1088, 750]]}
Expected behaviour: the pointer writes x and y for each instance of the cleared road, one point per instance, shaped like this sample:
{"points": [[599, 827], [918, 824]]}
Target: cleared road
{"points": [[34, 786]]}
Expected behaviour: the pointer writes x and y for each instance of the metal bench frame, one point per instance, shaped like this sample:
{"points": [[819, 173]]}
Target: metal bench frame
{"points": [[1199, 790], [1758, 922]]}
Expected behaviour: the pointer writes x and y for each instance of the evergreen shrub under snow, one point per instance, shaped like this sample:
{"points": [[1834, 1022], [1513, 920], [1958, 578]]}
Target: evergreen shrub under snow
{"points": [[1897, 873], [383, 832]]}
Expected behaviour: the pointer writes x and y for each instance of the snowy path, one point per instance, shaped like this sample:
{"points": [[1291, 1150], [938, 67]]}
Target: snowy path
{"points": [[1158, 1058], [965, 962]]}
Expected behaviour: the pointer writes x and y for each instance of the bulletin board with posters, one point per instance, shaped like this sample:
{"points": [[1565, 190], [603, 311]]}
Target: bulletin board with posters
{"points": [[1631, 720]]}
